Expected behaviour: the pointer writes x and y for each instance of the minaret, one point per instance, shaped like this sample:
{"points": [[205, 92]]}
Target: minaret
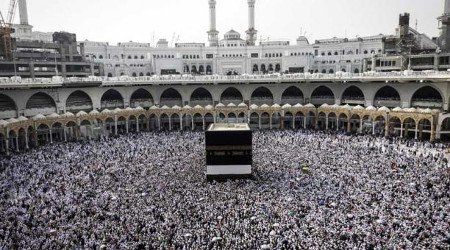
{"points": [[213, 34], [23, 12], [444, 39], [251, 32]]}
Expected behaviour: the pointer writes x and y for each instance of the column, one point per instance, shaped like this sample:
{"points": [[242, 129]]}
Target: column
{"points": [[204, 123], [148, 124], [349, 125], [115, 125], [401, 129], [259, 117], [373, 126], [51, 135], [126, 124], [433, 131], [170, 123], [137, 124], [181, 122], [416, 131], [192, 123], [159, 122], [293, 121], [304, 122], [326, 121], [361, 125], [17, 143], [316, 122], [26, 140], [65, 133], [7, 143], [386, 128], [270, 121]]}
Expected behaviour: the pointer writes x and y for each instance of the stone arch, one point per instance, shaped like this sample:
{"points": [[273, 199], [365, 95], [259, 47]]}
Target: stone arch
{"points": [[202, 97], [171, 97], [427, 97], [262, 95], [231, 95], [292, 95], [8, 107], [112, 99], [40, 103], [141, 98], [78, 101], [322, 95], [387, 96], [175, 120], [353, 96], [254, 120]]}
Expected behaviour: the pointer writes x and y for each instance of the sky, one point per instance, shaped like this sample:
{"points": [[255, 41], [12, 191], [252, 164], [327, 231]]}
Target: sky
{"points": [[188, 20]]}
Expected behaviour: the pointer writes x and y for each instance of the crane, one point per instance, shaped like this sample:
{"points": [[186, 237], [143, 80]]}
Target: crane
{"points": [[6, 30]]}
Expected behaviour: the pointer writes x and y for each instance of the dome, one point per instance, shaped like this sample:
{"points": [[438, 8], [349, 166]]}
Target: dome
{"points": [[346, 106], [384, 109], [209, 107], [69, 114], [117, 110], [231, 105], [242, 105], [22, 119], [38, 117], [165, 107], [264, 106], [176, 107], [310, 105], [220, 105], [198, 107], [139, 108], [187, 107], [371, 108], [276, 106], [298, 105], [286, 106], [232, 35], [129, 109], [81, 113], [54, 115], [106, 111], [3, 123], [325, 105], [154, 107], [13, 120], [359, 107], [253, 106], [397, 109], [94, 112]]}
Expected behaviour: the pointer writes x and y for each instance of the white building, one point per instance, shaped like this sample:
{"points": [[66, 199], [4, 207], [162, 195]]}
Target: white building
{"points": [[234, 55]]}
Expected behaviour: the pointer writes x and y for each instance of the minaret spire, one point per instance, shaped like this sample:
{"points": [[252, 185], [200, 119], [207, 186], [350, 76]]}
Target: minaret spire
{"points": [[251, 32], [213, 34]]}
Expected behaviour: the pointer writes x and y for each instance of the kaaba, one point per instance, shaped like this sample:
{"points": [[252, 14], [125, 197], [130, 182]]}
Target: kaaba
{"points": [[228, 151]]}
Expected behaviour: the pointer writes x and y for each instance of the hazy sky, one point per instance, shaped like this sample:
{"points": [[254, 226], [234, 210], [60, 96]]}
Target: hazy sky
{"points": [[141, 20]]}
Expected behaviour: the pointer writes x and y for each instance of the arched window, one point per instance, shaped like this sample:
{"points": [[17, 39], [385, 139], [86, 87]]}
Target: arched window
{"points": [[142, 57], [141, 74], [129, 57], [110, 75], [100, 57]]}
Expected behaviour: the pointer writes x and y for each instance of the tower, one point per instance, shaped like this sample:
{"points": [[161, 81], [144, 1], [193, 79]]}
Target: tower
{"points": [[213, 34], [444, 39], [251, 32], [23, 12]]}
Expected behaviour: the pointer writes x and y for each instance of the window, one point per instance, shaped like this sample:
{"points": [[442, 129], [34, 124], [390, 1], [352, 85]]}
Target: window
{"points": [[142, 57], [209, 56], [100, 57], [255, 55]]}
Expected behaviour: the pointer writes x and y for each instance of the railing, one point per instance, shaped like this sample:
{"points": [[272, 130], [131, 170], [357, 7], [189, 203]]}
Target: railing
{"points": [[339, 76]]}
